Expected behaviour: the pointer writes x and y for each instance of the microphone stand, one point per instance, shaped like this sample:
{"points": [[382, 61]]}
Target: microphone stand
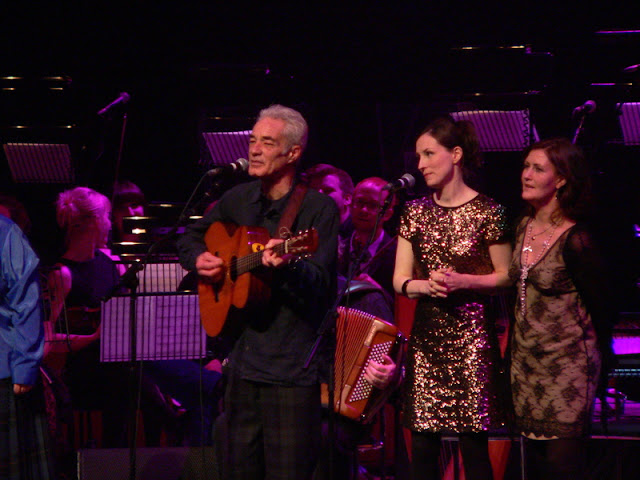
{"points": [[120, 147], [579, 128], [328, 326], [130, 280]]}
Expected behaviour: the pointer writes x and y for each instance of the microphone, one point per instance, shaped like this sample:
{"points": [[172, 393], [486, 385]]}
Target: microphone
{"points": [[587, 107], [240, 165], [122, 99], [405, 181]]}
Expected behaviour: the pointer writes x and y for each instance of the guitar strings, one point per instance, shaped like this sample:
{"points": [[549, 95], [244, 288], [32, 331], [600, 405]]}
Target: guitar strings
{"points": [[249, 262]]}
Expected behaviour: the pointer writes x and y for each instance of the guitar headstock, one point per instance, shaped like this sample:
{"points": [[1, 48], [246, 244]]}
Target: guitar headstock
{"points": [[303, 242]]}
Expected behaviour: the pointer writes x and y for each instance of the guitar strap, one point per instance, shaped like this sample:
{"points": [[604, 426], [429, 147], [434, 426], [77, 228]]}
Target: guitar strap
{"points": [[291, 211]]}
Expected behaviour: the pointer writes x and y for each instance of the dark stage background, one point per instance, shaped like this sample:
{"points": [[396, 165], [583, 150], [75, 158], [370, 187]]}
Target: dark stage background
{"points": [[368, 76]]}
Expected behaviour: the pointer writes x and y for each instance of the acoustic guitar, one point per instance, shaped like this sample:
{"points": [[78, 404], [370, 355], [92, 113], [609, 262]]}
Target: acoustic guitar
{"points": [[241, 247]]}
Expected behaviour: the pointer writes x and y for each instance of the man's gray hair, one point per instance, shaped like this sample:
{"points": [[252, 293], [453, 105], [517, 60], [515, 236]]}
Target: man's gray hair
{"points": [[296, 130]]}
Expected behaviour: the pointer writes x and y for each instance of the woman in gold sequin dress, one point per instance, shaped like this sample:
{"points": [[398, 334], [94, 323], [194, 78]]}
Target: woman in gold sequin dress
{"points": [[452, 252], [562, 328]]}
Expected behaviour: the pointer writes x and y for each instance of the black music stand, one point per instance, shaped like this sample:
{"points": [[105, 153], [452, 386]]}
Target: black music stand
{"points": [[156, 288], [225, 147], [168, 323], [39, 162], [501, 130], [629, 118], [124, 338], [135, 275]]}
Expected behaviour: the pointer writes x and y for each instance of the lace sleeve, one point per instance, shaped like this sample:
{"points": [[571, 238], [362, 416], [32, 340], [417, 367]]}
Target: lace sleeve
{"points": [[591, 276]]}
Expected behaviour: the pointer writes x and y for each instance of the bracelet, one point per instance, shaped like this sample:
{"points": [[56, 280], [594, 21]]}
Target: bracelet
{"points": [[404, 286]]}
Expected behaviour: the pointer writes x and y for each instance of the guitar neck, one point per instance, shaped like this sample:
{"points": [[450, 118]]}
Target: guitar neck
{"points": [[254, 260]]}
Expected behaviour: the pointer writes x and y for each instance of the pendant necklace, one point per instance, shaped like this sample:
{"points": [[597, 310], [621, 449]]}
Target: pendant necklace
{"points": [[526, 265], [535, 235]]}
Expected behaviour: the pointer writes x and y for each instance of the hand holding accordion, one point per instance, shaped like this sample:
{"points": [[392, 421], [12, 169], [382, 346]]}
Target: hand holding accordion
{"points": [[380, 375], [362, 338]]}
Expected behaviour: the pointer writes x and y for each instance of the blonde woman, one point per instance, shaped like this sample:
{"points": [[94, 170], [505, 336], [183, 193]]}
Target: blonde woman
{"points": [[84, 276]]}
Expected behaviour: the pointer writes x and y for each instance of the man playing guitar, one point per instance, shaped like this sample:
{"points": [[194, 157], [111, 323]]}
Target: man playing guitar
{"points": [[272, 402]]}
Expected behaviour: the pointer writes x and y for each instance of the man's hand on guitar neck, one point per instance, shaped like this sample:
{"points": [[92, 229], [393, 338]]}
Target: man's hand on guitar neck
{"points": [[210, 266], [271, 258]]}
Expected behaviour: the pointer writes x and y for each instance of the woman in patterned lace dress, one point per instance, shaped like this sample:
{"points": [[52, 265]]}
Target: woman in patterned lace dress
{"points": [[561, 327], [452, 252]]}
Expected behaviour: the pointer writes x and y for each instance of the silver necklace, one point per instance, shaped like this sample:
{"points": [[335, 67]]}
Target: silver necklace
{"points": [[524, 261], [534, 235]]}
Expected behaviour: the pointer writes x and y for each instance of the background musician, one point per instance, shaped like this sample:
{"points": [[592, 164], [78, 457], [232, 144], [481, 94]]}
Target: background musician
{"points": [[272, 403], [365, 294], [375, 272], [336, 183], [75, 287], [128, 201]]}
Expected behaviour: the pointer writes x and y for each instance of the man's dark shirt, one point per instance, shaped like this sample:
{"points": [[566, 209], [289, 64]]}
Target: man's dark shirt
{"points": [[274, 344], [346, 228]]}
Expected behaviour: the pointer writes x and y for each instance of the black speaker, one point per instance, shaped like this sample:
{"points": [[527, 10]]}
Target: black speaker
{"points": [[170, 463]]}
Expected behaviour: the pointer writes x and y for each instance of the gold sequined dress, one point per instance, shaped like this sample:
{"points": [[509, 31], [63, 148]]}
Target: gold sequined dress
{"points": [[453, 360]]}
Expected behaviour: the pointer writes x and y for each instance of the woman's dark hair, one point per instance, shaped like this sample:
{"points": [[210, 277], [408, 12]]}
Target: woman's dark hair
{"points": [[127, 192], [450, 134], [574, 197]]}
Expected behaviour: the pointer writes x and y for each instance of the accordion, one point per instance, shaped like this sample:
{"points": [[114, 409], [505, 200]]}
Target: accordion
{"points": [[361, 338]]}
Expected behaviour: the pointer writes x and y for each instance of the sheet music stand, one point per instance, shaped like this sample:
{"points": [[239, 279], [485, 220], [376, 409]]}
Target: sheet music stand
{"points": [[39, 162], [501, 130], [168, 328], [148, 325], [168, 325], [629, 119], [226, 147]]}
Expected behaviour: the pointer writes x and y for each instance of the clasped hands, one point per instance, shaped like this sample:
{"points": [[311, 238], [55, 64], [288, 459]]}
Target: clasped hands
{"points": [[441, 282], [213, 268]]}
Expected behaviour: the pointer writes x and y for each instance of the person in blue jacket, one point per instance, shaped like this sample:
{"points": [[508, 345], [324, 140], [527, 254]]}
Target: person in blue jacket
{"points": [[24, 450]]}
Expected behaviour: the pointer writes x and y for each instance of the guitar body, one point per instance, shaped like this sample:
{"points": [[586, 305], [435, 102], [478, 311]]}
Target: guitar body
{"points": [[230, 242]]}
